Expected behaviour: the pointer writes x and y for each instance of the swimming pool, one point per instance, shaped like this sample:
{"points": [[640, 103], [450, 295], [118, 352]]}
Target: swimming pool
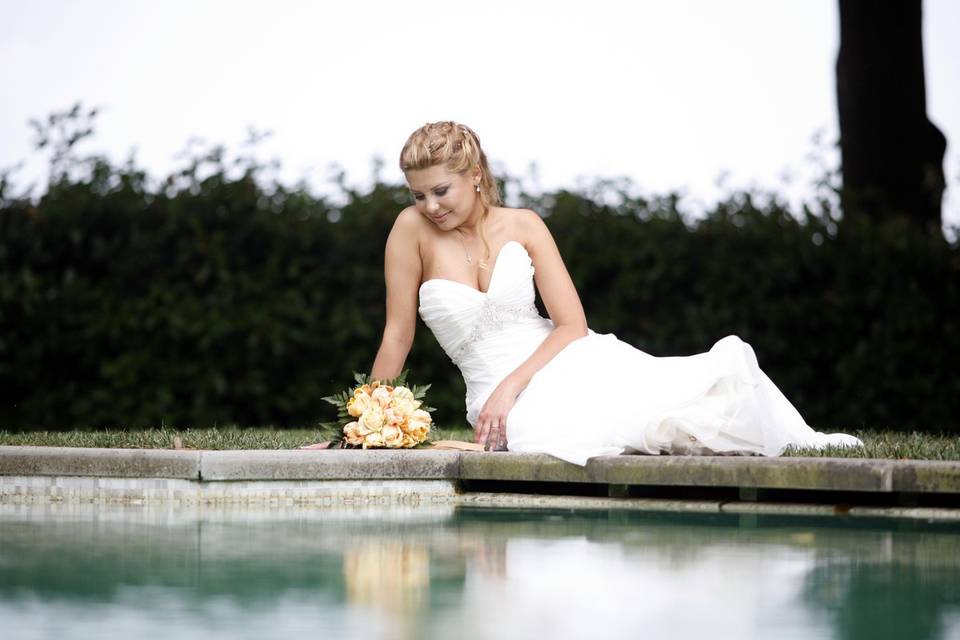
{"points": [[93, 570]]}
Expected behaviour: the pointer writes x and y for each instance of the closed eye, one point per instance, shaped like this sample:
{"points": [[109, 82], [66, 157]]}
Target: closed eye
{"points": [[439, 192]]}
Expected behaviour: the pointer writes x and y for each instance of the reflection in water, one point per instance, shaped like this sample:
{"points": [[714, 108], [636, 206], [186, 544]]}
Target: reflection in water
{"points": [[393, 576], [77, 571]]}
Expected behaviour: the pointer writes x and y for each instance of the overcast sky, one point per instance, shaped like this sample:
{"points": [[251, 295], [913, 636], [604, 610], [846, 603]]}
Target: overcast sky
{"points": [[671, 94]]}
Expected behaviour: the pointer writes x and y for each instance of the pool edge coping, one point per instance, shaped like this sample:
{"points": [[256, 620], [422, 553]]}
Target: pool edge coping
{"points": [[745, 472]]}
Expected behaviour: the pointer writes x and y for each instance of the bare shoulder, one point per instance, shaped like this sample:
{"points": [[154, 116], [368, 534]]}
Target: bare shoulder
{"points": [[525, 225], [408, 228], [529, 228], [409, 221]]}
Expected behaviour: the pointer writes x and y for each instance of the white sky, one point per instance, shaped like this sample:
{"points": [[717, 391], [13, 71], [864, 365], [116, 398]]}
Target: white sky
{"points": [[670, 94]]}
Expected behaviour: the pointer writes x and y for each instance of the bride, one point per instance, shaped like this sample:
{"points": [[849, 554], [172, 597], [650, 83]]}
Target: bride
{"points": [[551, 385]]}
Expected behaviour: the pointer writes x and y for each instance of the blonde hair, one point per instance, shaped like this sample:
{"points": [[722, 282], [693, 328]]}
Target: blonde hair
{"points": [[458, 148], [454, 145]]}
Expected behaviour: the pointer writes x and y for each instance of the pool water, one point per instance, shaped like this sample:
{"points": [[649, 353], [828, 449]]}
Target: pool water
{"points": [[88, 571]]}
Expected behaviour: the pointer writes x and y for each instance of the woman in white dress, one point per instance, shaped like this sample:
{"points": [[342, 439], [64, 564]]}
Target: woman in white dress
{"points": [[469, 265]]}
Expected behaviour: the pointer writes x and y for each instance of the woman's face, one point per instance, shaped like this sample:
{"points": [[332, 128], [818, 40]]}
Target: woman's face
{"points": [[446, 199]]}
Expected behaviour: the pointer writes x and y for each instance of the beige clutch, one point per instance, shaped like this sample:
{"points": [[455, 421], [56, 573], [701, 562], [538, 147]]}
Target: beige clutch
{"points": [[456, 445]]}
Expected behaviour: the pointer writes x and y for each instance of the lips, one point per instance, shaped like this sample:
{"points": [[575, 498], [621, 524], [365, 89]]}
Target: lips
{"points": [[441, 217]]}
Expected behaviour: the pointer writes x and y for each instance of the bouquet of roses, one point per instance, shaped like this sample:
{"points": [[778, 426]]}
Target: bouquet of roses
{"points": [[378, 414]]}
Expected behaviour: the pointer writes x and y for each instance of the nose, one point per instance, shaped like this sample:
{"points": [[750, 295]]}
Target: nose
{"points": [[432, 204]]}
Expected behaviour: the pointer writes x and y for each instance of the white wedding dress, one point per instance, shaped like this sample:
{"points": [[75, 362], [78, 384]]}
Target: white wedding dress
{"points": [[600, 396]]}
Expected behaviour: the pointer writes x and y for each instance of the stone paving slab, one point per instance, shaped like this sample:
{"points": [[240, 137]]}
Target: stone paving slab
{"points": [[828, 474], [926, 476], [835, 474], [106, 463]]}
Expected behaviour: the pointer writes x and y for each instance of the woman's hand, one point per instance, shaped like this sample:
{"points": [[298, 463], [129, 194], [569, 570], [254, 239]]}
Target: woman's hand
{"points": [[491, 427]]}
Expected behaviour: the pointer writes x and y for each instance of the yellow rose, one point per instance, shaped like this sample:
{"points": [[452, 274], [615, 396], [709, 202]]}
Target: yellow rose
{"points": [[405, 406], [351, 433], [402, 393], [358, 403], [419, 418], [408, 441], [403, 401], [372, 440], [392, 436], [372, 419]]}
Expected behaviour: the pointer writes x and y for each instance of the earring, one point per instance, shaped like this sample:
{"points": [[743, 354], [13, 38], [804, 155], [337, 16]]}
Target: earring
{"points": [[478, 188]]}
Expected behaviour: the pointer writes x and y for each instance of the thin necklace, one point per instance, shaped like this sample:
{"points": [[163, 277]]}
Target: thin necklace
{"points": [[463, 243], [481, 264]]}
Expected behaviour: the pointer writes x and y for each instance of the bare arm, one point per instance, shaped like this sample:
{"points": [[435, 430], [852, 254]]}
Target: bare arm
{"points": [[563, 305], [560, 297], [402, 272]]}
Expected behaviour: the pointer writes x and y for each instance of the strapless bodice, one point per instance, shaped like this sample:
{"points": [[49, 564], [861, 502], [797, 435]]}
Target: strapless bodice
{"points": [[487, 334]]}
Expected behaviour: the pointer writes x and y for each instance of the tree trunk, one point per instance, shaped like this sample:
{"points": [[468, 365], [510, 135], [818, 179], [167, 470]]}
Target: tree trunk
{"points": [[892, 155]]}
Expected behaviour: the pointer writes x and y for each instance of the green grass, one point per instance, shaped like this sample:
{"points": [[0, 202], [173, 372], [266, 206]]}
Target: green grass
{"points": [[893, 445], [877, 443], [203, 438]]}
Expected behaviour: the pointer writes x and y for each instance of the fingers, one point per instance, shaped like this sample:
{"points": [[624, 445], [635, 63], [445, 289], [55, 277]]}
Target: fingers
{"points": [[484, 427], [502, 440], [493, 435], [483, 431], [491, 431]]}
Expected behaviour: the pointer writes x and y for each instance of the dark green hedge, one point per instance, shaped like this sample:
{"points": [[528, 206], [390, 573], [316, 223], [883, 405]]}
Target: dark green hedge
{"points": [[219, 300]]}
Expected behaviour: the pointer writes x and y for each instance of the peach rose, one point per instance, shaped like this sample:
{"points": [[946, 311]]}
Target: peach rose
{"points": [[351, 433], [419, 419], [373, 440], [394, 418], [381, 395], [392, 436]]}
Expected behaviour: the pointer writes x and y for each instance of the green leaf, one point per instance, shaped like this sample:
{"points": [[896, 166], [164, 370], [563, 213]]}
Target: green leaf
{"points": [[419, 391]]}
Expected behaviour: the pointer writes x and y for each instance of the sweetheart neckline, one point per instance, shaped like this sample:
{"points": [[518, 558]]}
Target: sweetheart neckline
{"points": [[493, 271]]}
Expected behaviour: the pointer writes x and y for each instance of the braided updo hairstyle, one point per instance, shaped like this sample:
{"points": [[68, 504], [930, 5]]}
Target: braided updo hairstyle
{"points": [[458, 148]]}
